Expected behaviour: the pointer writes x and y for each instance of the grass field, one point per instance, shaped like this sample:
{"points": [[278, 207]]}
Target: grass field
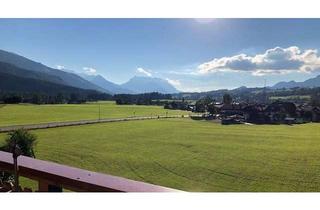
{"points": [[293, 97], [29, 114], [192, 155]]}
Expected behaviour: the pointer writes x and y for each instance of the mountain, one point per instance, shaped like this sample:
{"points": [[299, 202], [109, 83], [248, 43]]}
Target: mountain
{"points": [[14, 79], [281, 85], [38, 71], [52, 75], [7, 68], [149, 84], [105, 84], [313, 82]]}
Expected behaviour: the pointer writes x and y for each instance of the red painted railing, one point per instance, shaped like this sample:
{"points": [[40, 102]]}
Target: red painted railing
{"points": [[52, 176]]}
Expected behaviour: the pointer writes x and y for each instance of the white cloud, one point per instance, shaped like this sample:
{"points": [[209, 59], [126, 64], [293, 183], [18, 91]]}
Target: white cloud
{"points": [[184, 72], [60, 67], [145, 72], [175, 83], [274, 61], [90, 71]]}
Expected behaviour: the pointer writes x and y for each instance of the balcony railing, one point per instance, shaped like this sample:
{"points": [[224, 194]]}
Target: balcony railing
{"points": [[55, 177]]}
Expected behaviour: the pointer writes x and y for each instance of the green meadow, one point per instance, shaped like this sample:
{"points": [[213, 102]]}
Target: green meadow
{"points": [[192, 155], [29, 114]]}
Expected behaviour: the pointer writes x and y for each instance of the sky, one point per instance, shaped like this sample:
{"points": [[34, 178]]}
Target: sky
{"points": [[191, 54]]}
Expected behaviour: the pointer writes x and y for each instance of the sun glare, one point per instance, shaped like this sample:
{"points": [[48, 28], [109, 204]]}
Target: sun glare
{"points": [[204, 20]]}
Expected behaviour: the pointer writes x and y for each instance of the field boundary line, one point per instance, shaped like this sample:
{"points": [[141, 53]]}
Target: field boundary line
{"points": [[5, 129]]}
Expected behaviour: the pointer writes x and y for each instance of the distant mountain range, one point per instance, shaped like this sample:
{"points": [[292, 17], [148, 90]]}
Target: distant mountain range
{"points": [[134, 85], [29, 74], [149, 84], [22, 68], [16, 80], [309, 83], [105, 84], [50, 74]]}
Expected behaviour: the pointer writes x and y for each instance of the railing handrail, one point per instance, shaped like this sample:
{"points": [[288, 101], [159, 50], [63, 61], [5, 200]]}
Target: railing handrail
{"points": [[75, 179]]}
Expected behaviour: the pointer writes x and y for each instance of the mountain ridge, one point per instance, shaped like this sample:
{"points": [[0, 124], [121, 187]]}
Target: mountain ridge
{"points": [[67, 78], [31, 82], [139, 84], [312, 82], [106, 84], [78, 80]]}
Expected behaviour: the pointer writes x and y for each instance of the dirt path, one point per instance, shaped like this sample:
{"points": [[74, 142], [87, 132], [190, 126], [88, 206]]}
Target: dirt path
{"points": [[4, 129]]}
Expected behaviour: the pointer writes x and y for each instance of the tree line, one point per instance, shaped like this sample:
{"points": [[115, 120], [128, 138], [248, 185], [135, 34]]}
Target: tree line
{"points": [[245, 95], [82, 97], [59, 98], [142, 99]]}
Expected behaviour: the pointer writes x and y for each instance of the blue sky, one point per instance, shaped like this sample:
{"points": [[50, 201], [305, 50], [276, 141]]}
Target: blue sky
{"points": [[192, 54]]}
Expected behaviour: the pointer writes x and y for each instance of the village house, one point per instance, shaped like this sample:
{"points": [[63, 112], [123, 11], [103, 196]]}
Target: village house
{"points": [[254, 113], [230, 109], [278, 111], [308, 113]]}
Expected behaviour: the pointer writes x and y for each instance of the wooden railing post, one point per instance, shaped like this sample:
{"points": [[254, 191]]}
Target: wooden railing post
{"points": [[44, 186]]}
